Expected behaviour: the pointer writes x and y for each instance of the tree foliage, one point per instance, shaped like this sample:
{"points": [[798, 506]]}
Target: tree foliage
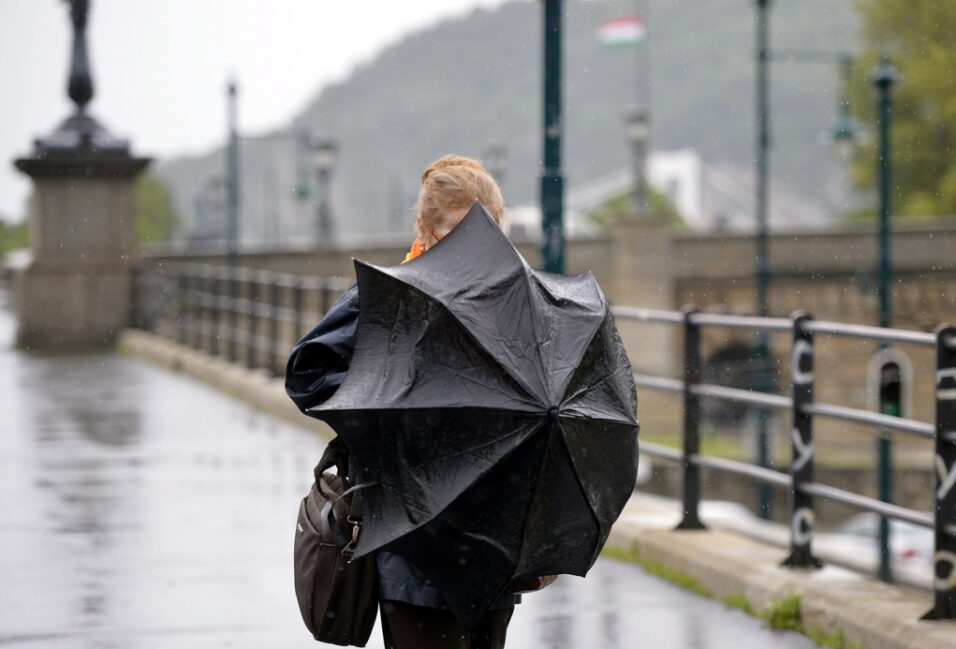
{"points": [[13, 236], [155, 216], [619, 208], [918, 37]]}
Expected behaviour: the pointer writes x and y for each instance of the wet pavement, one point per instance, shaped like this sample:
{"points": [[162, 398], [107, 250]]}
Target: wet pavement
{"points": [[140, 509]]}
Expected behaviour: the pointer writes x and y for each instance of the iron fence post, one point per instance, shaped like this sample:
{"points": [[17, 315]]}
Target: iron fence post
{"points": [[232, 344], [210, 283], [691, 472], [801, 440], [297, 295], [134, 318], [182, 306], [890, 403], [252, 318], [215, 315], [196, 323], [944, 582], [167, 285], [209, 304], [325, 290], [274, 295]]}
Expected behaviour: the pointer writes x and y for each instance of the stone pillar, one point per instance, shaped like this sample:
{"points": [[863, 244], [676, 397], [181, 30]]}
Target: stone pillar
{"points": [[644, 278], [75, 294]]}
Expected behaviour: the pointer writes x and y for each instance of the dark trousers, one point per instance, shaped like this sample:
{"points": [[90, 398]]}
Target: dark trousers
{"points": [[417, 627]]}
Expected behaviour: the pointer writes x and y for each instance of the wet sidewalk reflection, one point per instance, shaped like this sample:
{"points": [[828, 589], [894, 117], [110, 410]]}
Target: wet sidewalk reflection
{"points": [[141, 509]]}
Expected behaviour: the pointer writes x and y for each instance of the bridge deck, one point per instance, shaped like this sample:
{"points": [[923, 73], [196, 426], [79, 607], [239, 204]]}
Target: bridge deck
{"points": [[143, 509]]}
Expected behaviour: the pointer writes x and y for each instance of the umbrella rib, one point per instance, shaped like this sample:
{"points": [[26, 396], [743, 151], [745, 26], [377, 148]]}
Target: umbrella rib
{"points": [[597, 542], [606, 377], [471, 451], [321, 407], [586, 388], [578, 417], [517, 379], [478, 478], [584, 350]]}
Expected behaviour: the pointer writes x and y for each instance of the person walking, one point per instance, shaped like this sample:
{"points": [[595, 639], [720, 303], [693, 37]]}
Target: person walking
{"points": [[414, 613]]}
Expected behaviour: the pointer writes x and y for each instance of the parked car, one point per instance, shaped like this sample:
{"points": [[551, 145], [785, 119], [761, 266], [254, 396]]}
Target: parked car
{"points": [[910, 545]]}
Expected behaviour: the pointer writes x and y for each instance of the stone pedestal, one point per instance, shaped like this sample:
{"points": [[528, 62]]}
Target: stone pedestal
{"points": [[76, 292]]}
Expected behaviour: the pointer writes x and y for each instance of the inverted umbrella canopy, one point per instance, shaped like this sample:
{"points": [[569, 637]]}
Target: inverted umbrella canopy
{"points": [[489, 411]]}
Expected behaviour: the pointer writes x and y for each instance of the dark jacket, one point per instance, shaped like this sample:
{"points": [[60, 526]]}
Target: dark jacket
{"points": [[316, 368]]}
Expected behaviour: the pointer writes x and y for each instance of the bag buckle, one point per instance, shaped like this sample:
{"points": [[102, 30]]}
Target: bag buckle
{"points": [[349, 548]]}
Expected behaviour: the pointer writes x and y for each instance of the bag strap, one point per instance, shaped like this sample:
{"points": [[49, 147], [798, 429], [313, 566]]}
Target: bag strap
{"points": [[355, 520], [336, 454]]}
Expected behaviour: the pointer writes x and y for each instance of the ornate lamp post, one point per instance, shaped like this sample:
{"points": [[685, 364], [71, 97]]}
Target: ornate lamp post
{"points": [[638, 125], [80, 87], [324, 151], [76, 291]]}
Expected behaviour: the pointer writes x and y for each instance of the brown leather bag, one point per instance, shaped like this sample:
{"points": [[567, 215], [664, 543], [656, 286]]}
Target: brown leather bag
{"points": [[338, 597]]}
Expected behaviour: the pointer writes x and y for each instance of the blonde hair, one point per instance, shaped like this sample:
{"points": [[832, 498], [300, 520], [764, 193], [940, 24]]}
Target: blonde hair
{"points": [[451, 183]]}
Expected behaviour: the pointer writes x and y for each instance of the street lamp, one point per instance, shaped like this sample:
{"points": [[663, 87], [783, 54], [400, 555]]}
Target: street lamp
{"points": [[845, 136], [846, 133], [496, 161], [232, 174], [324, 152], [884, 77], [552, 178], [303, 144], [762, 260], [638, 128]]}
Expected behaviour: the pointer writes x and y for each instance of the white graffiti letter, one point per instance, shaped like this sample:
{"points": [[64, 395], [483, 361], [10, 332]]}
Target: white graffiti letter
{"points": [[946, 583], [947, 477], [800, 348], [804, 451], [801, 525], [941, 375]]}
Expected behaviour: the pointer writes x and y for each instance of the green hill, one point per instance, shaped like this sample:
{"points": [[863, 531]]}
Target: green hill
{"points": [[463, 83]]}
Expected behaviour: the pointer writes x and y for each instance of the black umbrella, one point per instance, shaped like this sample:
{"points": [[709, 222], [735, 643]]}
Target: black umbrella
{"points": [[490, 411]]}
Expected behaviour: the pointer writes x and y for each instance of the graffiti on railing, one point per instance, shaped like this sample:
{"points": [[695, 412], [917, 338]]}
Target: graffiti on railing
{"points": [[803, 408]]}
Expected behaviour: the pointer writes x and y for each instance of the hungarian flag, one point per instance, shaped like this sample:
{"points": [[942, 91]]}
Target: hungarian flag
{"points": [[623, 31]]}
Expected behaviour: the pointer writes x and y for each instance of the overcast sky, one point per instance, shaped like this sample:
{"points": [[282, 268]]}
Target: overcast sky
{"points": [[160, 66]]}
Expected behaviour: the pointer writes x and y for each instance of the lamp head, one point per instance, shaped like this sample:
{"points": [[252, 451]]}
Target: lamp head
{"points": [[324, 153], [638, 124]]}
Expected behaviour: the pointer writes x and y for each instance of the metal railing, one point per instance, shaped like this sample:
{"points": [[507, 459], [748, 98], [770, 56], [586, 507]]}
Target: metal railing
{"points": [[254, 317], [803, 408], [247, 316]]}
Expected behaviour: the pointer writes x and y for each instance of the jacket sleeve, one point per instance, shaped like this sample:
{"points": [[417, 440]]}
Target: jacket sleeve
{"points": [[319, 362]]}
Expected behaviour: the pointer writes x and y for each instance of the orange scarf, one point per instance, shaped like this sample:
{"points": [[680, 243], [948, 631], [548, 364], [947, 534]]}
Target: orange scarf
{"points": [[416, 250]]}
